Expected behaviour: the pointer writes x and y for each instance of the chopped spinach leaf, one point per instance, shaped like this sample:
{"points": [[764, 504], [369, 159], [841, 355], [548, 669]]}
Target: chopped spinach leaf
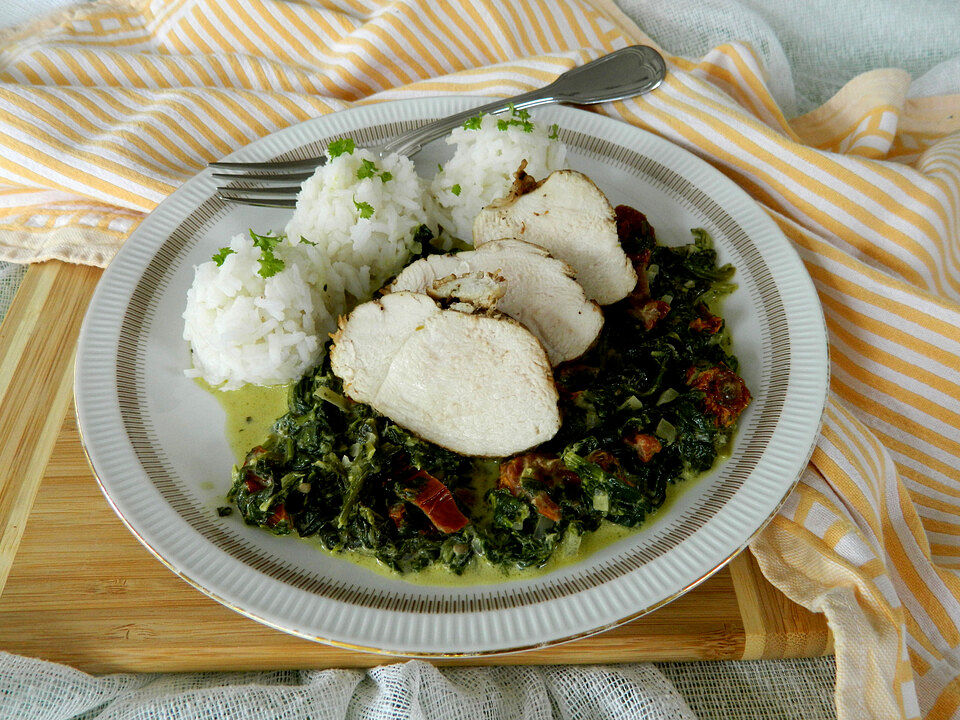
{"points": [[651, 404], [422, 244]]}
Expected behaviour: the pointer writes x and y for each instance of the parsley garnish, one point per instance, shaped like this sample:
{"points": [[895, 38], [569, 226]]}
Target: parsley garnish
{"points": [[304, 241], [365, 209], [518, 118], [473, 123], [341, 146], [455, 189], [222, 255], [554, 131], [265, 242], [270, 264], [368, 169]]}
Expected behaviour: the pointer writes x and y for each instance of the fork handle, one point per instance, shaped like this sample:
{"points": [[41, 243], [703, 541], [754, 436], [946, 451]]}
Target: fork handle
{"points": [[623, 73]]}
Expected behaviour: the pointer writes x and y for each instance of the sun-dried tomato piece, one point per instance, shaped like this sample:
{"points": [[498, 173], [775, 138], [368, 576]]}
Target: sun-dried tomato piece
{"points": [[706, 321], [279, 515], [646, 445], [604, 459], [510, 472], [641, 261], [649, 312], [254, 482], [631, 224], [633, 227], [436, 502], [546, 507], [546, 469], [725, 393]]}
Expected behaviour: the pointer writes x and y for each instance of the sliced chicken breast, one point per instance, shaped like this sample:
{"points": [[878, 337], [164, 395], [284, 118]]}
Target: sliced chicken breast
{"points": [[569, 216], [476, 385], [540, 292], [480, 290]]}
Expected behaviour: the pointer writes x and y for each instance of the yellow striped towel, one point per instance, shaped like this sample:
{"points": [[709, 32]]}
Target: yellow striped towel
{"points": [[105, 109]]}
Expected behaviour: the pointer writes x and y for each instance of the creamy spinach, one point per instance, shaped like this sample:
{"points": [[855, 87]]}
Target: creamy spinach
{"points": [[654, 402]]}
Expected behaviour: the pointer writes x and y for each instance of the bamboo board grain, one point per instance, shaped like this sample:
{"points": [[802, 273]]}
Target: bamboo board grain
{"points": [[81, 590]]}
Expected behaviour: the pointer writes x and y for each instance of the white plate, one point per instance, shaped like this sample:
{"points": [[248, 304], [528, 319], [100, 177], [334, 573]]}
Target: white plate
{"points": [[156, 442]]}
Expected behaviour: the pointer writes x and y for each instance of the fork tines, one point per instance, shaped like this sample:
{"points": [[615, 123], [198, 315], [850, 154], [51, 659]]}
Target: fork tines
{"points": [[264, 177], [308, 163], [263, 174], [230, 195]]}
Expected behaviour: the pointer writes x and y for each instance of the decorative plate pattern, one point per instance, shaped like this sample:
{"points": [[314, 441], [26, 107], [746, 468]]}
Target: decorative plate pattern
{"points": [[156, 443]]}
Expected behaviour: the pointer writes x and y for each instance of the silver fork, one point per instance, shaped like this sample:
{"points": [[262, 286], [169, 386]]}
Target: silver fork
{"points": [[622, 74]]}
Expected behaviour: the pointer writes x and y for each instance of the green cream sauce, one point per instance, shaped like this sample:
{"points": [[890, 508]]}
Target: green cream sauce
{"points": [[250, 414], [481, 572]]}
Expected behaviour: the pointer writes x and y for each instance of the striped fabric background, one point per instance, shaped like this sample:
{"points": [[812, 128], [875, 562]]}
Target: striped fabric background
{"points": [[104, 110]]}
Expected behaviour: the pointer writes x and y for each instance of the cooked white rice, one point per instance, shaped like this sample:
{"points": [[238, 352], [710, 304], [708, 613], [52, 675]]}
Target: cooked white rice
{"points": [[243, 328], [354, 255], [482, 169]]}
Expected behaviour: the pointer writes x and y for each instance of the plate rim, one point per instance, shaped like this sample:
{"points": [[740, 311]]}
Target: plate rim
{"points": [[242, 153]]}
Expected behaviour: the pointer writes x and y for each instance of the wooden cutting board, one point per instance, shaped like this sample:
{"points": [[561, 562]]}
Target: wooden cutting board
{"points": [[76, 587]]}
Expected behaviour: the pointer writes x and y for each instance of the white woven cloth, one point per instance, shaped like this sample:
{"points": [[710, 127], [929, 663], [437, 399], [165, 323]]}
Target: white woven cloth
{"points": [[10, 277], [417, 690], [810, 50]]}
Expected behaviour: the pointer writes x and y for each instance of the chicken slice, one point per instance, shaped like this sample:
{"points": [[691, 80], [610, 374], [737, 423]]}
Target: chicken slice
{"points": [[569, 216], [480, 290], [541, 293], [473, 384]]}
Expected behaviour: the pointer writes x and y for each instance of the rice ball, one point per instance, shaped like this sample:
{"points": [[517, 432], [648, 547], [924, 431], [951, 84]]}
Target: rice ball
{"points": [[253, 315], [359, 213], [489, 149]]}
